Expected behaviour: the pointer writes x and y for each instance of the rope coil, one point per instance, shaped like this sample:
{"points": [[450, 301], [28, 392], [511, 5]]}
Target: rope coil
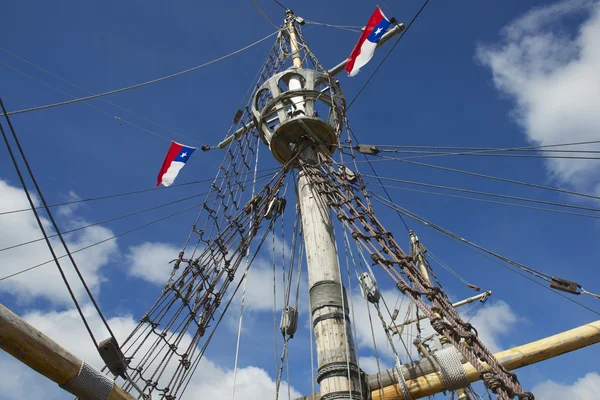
{"points": [[451, 368], [90, 384]]}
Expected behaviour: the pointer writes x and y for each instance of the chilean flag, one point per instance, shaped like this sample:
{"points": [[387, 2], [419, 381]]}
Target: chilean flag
{"points": [[176, 158], [365, 48]]}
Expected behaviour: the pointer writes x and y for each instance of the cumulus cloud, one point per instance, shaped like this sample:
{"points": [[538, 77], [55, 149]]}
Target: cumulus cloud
{"points": [[150, 261], [45, 281], [492, 323], [586, 388], [369, 364], [66, 328], [551, 73]]}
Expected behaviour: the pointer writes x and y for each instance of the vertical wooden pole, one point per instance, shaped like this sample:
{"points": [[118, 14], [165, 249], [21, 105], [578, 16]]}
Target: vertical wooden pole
{"points": [[462, 393], [335, 349]]}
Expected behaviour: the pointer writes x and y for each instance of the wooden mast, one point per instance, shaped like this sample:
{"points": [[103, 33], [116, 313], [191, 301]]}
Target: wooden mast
{"points": [[338, 374], [39, 352]]}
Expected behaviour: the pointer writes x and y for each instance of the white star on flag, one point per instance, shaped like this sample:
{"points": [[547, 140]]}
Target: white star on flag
{"points": [[378, 31], [183, 155]]}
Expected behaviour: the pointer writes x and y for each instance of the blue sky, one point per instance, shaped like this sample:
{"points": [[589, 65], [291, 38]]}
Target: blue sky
{"points": [[460, 77]]}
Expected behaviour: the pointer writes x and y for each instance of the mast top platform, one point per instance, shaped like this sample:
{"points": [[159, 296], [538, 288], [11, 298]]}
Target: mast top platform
{"points": [[298, 104]]}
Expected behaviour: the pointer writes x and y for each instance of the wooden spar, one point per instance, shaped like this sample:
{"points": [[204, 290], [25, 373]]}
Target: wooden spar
{"points": [[461, 303], [41, 353], [423, 380], [511, 359], [419, 252]]}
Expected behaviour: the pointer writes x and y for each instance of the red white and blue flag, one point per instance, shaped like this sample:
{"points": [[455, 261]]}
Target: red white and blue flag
{"points": [[176, 158], [365, 48]]}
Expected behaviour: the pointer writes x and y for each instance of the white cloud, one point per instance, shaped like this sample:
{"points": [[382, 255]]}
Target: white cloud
{"points": [[45, 281], [369, 365], [586, 388], [66, 328], [259, 286], [553, 78], [494, 321], [150, 261]]}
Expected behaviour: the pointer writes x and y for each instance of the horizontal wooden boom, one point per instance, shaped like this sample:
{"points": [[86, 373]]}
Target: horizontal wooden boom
{"points": [[41, 353], [511, 359]]}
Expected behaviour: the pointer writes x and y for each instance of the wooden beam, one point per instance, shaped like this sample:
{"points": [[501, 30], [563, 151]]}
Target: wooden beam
{"points": [[41, 353], [511, 359]]}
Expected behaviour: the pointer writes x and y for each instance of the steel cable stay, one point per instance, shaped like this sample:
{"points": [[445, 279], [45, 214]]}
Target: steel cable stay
{"points": [[426, 154], [138, 85], [374, 149], [349, 28], [517, 151], [64, 232], [450, 270], [350, 137], [464, 190], [501, 260], [53, 224], [113, 116], [87, 91], [110, 196], [412, 21], [104, 240], [496, 178], [492, 201]]}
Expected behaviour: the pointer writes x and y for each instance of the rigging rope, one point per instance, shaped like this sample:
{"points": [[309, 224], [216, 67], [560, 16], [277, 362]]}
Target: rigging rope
{"points": [[154, 189], [372, 169], [492, 177], [239, 334], [495, 202], [388, 53], [473, 150], [484, 252], [348, 28], [481, 193], [114, 117], [211, 257], [354, 211], [89, 92], [104, 240], [54, 225], [447, 268], [261, 178], [138, 85], [264, 15]]}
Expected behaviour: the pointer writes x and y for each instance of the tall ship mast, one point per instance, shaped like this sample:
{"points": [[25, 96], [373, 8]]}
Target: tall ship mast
{"points": [[312, 216]]}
